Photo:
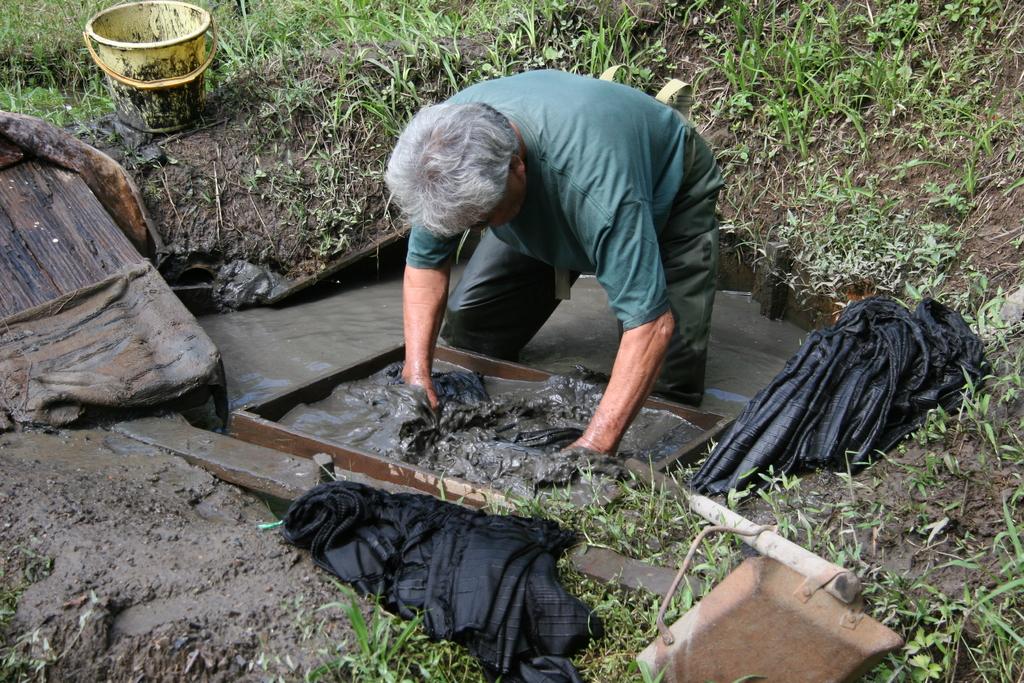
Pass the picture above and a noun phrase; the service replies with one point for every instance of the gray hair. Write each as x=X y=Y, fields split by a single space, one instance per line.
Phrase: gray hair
x=450 y=165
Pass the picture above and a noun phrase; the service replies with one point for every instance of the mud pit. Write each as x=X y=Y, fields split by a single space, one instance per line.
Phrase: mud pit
x=503 y=433
x=186 y=586
x=158 y=570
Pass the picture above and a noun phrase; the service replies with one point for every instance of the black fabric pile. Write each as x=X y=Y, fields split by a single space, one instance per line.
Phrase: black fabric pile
x=485 y=581
x=457 y=386
x=852 y=390
x=556 y=437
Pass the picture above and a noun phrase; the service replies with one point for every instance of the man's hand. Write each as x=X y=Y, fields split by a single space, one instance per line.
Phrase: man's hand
x=575 y=458
x=424 y=293
x=636 y=368
x=420 y=379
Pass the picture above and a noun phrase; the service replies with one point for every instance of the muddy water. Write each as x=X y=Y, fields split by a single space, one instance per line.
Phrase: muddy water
x=509 y=435
x=745 y=352
x=268 y=350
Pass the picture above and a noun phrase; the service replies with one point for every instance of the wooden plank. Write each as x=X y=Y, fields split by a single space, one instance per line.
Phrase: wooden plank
x=371 y=251
x=249 y=466
x=277 y=405
x=56 y=236
x=25 y=281
x=254 y=429
x=485 y=365
x=609 y=566
x=283 y=476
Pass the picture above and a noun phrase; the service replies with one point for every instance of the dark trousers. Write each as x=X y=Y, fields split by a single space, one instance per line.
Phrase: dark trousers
x=504 y=297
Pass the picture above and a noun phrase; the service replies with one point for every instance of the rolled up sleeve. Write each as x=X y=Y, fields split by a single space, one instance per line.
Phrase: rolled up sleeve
x=628 y=266
x=427 y=251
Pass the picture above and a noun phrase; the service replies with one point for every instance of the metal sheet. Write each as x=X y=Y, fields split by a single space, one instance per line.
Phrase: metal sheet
x=753 y=624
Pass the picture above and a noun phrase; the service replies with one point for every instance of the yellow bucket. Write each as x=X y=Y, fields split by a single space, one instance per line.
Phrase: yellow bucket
x=154 y=54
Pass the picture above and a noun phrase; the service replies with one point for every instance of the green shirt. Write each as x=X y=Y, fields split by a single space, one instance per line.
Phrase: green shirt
x=603 y=165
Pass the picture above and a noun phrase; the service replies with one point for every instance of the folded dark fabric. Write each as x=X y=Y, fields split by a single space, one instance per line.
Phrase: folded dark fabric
x=457 y=386
x=851 y=390
x=557 y=437
x=485 y=581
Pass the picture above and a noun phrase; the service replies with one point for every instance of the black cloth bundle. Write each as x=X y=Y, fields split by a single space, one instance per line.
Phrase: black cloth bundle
x=457 y=386
x=852 y=389
x=485 y=581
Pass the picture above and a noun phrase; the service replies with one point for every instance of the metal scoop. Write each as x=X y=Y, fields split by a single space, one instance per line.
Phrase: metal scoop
x=788 y=616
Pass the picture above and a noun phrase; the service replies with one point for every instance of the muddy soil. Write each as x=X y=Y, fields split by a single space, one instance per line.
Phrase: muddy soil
x=142 y=567
x=256 y=182
x=952 y=506
x=283 y=170
x=260 y=183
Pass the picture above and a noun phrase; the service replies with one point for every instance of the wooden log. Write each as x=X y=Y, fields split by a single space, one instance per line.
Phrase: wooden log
x=57 y=237
x=9 y=154
x=25 y=281
x=108 y=181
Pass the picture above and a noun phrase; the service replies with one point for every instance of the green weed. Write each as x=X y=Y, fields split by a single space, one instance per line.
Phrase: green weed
x=388 y=649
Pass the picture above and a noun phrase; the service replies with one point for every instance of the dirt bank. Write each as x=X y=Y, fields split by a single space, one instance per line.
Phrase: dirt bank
x=140 y=566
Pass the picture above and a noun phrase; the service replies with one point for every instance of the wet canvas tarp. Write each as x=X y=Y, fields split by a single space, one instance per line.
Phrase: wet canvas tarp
x=86 y=323
x=125 y=342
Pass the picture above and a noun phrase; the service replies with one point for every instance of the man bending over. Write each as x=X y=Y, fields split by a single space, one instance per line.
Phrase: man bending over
x=572 y=175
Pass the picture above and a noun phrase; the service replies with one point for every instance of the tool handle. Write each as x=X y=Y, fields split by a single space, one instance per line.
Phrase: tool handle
x=663 y=629
x=841 y=583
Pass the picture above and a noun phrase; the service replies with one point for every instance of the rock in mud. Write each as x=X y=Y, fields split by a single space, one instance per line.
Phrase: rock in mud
x=1013 y=310
x=240 y=284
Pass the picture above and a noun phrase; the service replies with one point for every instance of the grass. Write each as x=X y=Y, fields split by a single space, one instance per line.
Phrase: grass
x=385 y=648
x=24 y=658
x=883 y=141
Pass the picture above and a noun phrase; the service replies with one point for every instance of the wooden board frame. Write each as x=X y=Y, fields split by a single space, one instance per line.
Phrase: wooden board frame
x=257 y=423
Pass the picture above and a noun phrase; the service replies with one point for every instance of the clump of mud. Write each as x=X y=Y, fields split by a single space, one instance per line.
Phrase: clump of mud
x=510 y=435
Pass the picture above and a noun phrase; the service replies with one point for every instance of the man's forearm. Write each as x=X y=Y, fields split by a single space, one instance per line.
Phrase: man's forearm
x=636 y=368
x=424 y=293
